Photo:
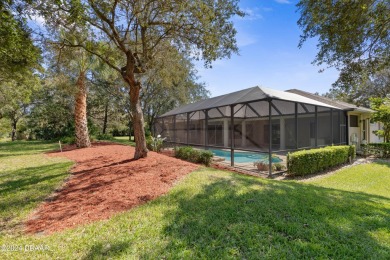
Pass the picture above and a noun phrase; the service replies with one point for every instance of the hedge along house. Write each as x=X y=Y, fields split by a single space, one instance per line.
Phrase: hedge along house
x=258 y=119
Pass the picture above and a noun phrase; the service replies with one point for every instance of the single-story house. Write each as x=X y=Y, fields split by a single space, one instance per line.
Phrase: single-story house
x=360 y=128
x=264 y=120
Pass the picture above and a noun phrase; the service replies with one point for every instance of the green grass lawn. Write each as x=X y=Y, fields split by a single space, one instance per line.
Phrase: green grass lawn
x=27 y=177
x=214 y=214
x=124 y=140
x=366 y=178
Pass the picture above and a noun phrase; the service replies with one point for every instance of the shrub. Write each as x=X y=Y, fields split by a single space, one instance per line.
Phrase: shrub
x=155 y=144
x=377 y=149
x=148 y=133
x=104 y=137
x=352 y=151
x=316 y=160
x=264 y=166
x=205 y=157
x=68 y=140
x=184 y=152
x=278 y=167
x=190 y=154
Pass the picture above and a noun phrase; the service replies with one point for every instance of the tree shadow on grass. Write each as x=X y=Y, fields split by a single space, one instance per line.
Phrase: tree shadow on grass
x=8 y=149
x=107 y=250
x=24 y=178
x=242 y=217
x=383 y=162
x=21 y=190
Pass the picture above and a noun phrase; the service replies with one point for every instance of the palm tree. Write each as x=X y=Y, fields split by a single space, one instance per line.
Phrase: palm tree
x=76 y=62
x=80 y=112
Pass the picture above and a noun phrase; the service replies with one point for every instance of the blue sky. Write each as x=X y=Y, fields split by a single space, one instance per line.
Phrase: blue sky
x=269 y=55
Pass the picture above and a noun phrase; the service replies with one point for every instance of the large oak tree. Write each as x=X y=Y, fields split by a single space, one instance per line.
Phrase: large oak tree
x=138 y=30
x=353 y=36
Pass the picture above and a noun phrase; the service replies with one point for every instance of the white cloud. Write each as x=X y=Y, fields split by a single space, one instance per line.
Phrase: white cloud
x=251 y=14
x=283 y=1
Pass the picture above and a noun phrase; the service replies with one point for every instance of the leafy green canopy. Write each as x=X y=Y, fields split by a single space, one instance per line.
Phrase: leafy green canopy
x=17 y=51
x=382 y=114
x=142 y=29
x=377 y=86
x=171 y=82
x=353 y=36
x=19 y=62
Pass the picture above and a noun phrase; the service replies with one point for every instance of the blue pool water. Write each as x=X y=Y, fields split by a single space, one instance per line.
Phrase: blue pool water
x=244 y=157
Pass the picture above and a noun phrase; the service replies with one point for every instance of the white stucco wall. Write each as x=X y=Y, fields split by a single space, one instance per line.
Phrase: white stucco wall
x=356 y=133
x=374 y=138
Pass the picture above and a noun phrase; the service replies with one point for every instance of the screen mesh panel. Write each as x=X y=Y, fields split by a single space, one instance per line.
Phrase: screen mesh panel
x=215 y=113
x=306 y=128
x=196 y=131
x=158 y=126
x=336 y=127
x=181 y=128
x=168 y=128
x=343 y=127
x=284 y=107
x=324 y=127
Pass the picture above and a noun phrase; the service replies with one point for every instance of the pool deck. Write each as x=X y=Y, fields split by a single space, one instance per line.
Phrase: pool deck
x=247 y=167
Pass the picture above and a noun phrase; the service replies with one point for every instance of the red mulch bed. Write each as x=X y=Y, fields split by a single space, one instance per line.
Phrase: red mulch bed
x=105 y=181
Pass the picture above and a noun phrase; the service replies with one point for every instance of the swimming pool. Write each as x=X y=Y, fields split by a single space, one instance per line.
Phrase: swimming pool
x=244 y=157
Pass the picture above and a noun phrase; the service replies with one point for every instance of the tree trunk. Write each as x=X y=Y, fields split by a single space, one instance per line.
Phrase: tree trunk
x=105 y=118
x=80 y=113
x=128 y=75
x=13 y=133
x=141 y=150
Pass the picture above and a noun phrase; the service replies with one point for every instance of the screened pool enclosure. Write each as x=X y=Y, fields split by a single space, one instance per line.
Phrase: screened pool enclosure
x=257 y=119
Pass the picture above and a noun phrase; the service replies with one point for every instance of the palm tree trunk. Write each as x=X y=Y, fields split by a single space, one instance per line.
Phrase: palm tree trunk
x=80 y=113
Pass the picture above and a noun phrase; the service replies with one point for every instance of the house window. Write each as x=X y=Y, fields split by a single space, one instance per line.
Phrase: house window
x=353 y=121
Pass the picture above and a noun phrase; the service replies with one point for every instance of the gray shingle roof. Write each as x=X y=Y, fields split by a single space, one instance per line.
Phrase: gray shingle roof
x=336 y=103
x=245 y=95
